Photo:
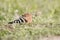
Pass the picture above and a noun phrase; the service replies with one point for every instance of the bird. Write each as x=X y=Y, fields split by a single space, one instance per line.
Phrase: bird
x=25 y=18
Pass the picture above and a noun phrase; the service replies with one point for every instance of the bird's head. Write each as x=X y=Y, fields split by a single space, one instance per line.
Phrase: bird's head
x=27 y=17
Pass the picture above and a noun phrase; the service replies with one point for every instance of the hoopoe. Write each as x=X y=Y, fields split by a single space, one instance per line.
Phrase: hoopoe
x=26 y=18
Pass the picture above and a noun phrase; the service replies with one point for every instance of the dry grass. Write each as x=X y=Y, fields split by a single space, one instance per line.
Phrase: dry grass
x=46 y=19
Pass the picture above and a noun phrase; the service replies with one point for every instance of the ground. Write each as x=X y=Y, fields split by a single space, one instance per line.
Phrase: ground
x=45 y=25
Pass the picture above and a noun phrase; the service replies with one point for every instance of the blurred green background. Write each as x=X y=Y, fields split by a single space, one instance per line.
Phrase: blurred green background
x=46 y=19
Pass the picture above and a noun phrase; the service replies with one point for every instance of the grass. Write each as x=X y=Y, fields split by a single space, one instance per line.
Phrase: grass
x=46 y=19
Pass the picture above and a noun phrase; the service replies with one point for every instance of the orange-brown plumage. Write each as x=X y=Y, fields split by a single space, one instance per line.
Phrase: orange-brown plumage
x=25 y=18
x=28 y=17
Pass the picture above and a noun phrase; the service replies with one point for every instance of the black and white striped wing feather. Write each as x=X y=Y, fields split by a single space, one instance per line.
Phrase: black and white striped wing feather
x=20 y=20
